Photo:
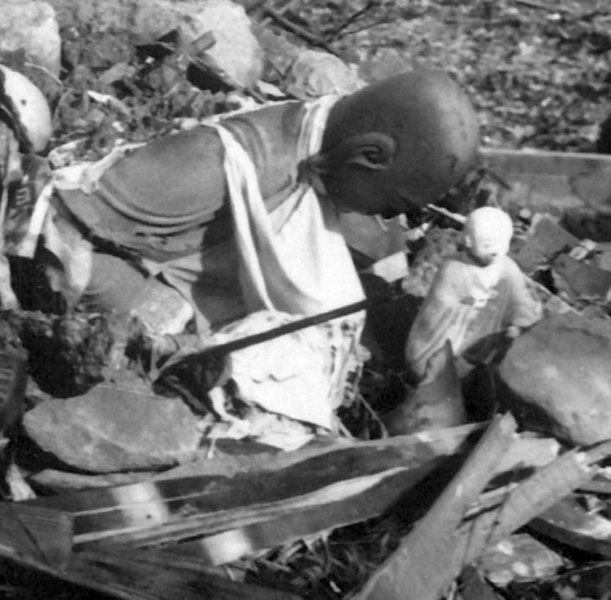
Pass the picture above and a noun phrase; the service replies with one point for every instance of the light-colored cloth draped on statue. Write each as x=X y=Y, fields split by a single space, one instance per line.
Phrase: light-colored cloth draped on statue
x=294 y=260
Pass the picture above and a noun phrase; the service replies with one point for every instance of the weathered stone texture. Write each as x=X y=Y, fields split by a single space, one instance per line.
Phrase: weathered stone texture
x=559 y=377
x=31 y=26
x=109 y=429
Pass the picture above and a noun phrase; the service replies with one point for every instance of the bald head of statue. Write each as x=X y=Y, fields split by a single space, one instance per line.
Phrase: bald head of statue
x=488 y=231
x=398 y=144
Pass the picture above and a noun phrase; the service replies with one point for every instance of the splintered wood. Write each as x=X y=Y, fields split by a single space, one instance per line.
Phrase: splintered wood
x=437 y=549
x=425 y=562
x=174 y=509
x=163 y=538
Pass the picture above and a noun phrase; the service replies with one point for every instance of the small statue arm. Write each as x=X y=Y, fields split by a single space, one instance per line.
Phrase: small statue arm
x=525 y=309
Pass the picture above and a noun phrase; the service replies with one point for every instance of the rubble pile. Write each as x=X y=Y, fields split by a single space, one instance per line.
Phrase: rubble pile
x=142 y=460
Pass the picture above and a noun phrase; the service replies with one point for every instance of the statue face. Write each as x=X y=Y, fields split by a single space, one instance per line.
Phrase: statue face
x=488 y=246
x=488 y=232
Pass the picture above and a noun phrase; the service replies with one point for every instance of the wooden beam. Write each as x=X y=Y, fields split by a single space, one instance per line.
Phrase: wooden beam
x=329 y=487
x=551 y=181
x=134 y=576
x=244 y=532
x=146 y=505
x=419 y=569
x=469 y=541
x=42 y=534
x=570 y=524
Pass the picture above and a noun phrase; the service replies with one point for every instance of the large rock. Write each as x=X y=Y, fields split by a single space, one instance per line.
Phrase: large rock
x=236 y=50
x=315 y=73
x=31 y=26
x=559 y=378
x=111 y=429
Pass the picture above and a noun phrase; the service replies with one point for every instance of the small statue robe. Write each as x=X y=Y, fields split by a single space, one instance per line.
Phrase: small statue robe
x=471 y=306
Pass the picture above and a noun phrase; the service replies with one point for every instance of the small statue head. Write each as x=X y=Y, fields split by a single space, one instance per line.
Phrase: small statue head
x=488 y=232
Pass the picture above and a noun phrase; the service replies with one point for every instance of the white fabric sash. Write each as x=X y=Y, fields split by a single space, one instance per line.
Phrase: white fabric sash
x=299 y=263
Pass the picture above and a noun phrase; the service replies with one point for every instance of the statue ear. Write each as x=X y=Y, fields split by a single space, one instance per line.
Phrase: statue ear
x=372 y=150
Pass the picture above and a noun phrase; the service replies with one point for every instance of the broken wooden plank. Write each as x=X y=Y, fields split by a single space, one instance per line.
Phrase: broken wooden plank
x=38 y=533
x=570 y=524
x=522 y=504
x=148 y=504
x=134 y=578
x=294 y=523
x=289 y=524
x=134 y=574
x=551 y=181
x=264 y=524
x=526 y=501
x=596 y=486
x=213 y=521
x=418 y=569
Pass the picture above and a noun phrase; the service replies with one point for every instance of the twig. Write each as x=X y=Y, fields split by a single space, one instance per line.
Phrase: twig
x=446 y=213
x=351 y=19
x=46 y=71
x=298 y=31
x=425 y=560
x=537 y=6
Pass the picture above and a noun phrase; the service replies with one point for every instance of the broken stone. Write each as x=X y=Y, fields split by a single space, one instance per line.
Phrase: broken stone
x=31 y=26
x=580 y=279
x=558 y=378
x=279 y=54
x=545 y=240
x=236 y=50
x=315 y=73
x=113 y=429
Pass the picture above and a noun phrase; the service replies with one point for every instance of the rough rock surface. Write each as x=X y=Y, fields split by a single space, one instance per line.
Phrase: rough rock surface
x=559 y=378
x=31 y=26
x=236 y=50
x=315 y=73
x=110 y=429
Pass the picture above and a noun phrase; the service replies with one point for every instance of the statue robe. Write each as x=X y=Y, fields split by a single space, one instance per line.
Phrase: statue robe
x=470 y=306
